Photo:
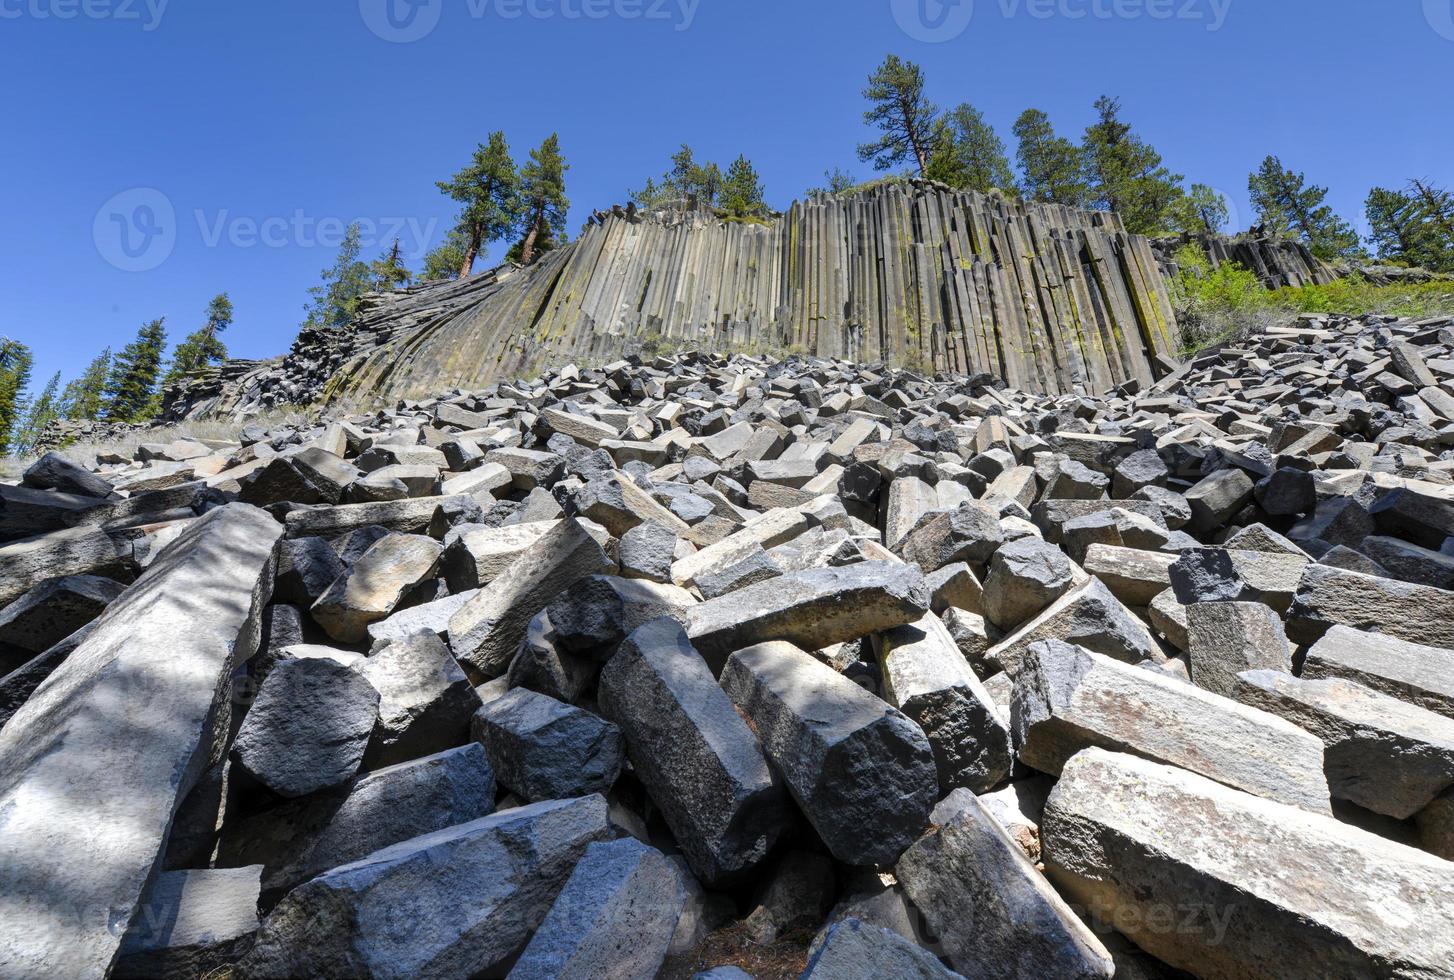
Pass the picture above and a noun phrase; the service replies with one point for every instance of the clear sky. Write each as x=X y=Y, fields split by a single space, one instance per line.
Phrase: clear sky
x=264 y=126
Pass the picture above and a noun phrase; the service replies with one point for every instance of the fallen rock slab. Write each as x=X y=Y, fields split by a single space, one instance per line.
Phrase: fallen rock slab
x=191 y=924
x=615 y=917
x=995 y=915
x=458 y=902
x=1419 y=675
x=1181 y=865
x=1385 y=755
x=702 y=765
x=862 y=773
x=88 y=787
x=812 y=609
x=1068 y=699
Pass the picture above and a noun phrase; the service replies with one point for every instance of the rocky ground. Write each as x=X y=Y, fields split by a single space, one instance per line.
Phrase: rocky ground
x=711 y=664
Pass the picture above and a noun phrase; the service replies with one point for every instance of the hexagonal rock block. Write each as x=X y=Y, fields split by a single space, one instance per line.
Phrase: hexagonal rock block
x=1132 y=841
x=969 y=533
x=647 y=552
x=615 y=917
x=812 y=609
x=1226 y=638
x=1329 y=597
x=1382 y=754
x=457 y=902
x=701 y=763
x=545 y=750
x=426 y=702
x=54 y=472
x=306 y=568
x=595 y=614
x=475 y=554
x=1068 y=699
x=53 y=610
x=374 y=587
x=996 y=915
x=1208 y=575
x=1217 y=498
x=1089 y=616
x=1025 y=577
x=861 y=772
x=487 y=632
x=309 y=727
x=927 y=678
x=1141 y=469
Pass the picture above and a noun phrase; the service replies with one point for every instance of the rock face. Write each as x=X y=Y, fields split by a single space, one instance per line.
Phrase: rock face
x=912 y=274
x=1181 y=863
x=126 y=725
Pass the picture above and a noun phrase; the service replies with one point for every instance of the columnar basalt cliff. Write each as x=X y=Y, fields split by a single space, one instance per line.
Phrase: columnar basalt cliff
x=1046 y=297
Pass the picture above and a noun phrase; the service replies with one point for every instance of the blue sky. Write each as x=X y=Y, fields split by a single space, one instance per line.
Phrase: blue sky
x=264 y=126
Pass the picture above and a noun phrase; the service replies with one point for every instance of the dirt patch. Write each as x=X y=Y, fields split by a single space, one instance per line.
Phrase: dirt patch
x=783 y=960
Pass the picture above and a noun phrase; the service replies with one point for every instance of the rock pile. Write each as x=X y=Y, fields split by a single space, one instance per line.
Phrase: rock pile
x=698 y=662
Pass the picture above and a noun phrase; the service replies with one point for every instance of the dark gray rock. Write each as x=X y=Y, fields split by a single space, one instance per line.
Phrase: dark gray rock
x=309 y=727
x=50 y=612
x=861 y=772
x=1025 y=577
x=701 y=763
x=614 y=917
x=54 y=472
x=545 y=750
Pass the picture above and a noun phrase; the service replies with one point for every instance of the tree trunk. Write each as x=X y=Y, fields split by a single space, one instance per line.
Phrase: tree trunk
x=527 y=250
x=467 y=268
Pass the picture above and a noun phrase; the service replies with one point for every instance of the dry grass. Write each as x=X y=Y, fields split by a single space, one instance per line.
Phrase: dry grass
x=783 y=960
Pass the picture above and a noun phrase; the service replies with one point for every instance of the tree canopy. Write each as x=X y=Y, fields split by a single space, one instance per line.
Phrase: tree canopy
x=906 y=120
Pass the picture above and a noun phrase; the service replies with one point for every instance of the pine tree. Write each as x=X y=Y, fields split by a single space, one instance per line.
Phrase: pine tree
x=969 y=155
x=542 y=188
x=899 y=110
x=742 y=193
x=839 y=182
x=446 y=261
x=390 y=272
x=1438 y=207
x=1052 y=168
x=1399 y=231
x=84 y=398
x=15 y=365
x=1126 y=173
x=686 y=180
x=1199 y=211
x=131 y=387
x=203 y=347
x=41 y=413
x=1287 y=205
x=336 y=297
x=489 y=189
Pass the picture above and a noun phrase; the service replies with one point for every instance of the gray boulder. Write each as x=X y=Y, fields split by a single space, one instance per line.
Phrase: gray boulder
x=545 y=750
x=425 y=700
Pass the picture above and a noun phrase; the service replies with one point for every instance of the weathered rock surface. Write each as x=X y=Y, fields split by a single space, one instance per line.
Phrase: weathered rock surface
x=995 y=914
x=1068 y=699
x=615 y=917
x=1181 y=865
x=94 y=764
x=545 y=750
